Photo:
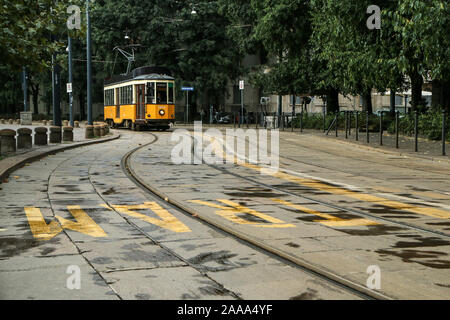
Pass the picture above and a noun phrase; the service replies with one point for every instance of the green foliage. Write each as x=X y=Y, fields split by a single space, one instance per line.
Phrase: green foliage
x=25 y=32
x=283 y=27
x=195 y=47
x=429 y=125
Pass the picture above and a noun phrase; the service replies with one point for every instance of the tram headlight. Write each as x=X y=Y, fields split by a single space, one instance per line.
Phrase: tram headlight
x=162 y=112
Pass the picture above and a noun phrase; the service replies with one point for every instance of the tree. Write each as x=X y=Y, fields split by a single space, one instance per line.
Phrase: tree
x=358 y=59
x=422 y=29
x=25 y=29
x=194 y=46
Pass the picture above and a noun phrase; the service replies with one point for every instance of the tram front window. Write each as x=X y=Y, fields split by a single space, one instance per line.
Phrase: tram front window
x=171 y=99
x=161 y=92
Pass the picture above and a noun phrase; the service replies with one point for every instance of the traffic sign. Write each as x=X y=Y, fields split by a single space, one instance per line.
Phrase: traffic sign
x=241 y=85
x=187 y=89
x=69 y=87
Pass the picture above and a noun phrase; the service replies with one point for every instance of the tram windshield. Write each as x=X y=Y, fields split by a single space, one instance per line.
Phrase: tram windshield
x=161 y=92
x=171 y=94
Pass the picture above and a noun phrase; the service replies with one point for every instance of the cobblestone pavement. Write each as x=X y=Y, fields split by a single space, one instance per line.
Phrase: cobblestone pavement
x=77 y=213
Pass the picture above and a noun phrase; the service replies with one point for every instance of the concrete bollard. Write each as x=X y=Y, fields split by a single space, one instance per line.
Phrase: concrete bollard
x=18 y=121
x=89 y=132
x=2 y=121
x=97 y=132
x=102 y=130
x=55 y=134
x=106 y=129
x=44 y=122
x=40 y=136
x=10 y=121
x=24 y=139
x=50 y=122
x=8 y=141
x=76 y=124
x=65 y=123
x=68 y=134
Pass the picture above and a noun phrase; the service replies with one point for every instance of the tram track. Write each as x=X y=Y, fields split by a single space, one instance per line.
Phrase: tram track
x=286 y=258
x=328 y=204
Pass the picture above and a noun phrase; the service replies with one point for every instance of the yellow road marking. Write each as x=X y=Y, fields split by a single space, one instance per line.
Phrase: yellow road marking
x=167 y=221
x=43 y=231
x=84 y=223
x=230 y=212
x=330 y=220
x=40 y=229
x=315 y=184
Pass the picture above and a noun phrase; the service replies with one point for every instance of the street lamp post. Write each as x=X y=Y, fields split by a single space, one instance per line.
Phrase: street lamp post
x=89 y=67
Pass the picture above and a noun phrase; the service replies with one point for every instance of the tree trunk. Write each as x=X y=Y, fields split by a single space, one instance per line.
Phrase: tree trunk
x=392 y=104
x=35 y=92
x=416 y=89
x=367 y=101
x=441 y=95
x=332 y=101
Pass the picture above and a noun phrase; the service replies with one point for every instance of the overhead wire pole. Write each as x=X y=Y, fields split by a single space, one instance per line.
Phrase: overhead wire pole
x=89 y=66
x=56 y=87
x=71 y=83
x=25 y=89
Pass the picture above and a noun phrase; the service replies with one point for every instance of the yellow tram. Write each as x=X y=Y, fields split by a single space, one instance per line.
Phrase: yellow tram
x=144 y=98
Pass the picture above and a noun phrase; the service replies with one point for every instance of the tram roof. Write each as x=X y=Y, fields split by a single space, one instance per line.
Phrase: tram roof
x=142 y=74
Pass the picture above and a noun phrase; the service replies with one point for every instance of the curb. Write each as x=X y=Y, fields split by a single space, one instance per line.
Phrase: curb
x=19 y=161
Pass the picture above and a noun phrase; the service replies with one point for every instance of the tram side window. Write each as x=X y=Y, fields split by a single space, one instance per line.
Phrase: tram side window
x=126 y=95
x=109 y=97
x=161 y=92
x=150 y=92
x=171 y=95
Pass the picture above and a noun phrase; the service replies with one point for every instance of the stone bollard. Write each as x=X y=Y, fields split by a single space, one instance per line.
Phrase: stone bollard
x=10 y=121
x=68 y=134
x=50 y=122
x=8 y=141
x=40 y=136
x=102 y=130
x=24 y=140
x=89 y=132
x=65 y=123
x=76 y=124
x=3 y=121
x=97 y=131
x=55 y=134
x=106 y=129
x=44 y=122
x=18 y=121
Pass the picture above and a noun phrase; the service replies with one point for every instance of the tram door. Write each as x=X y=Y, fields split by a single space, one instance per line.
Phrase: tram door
x=140 y=102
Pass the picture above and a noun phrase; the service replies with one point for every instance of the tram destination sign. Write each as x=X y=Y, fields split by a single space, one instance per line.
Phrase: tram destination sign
x=187 y=88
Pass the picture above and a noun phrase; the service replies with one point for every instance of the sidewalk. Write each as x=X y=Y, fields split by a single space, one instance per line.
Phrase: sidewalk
x=14 y=161
x=428 y=149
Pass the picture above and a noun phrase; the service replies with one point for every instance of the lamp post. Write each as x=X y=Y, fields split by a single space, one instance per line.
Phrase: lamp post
x=89 y=67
